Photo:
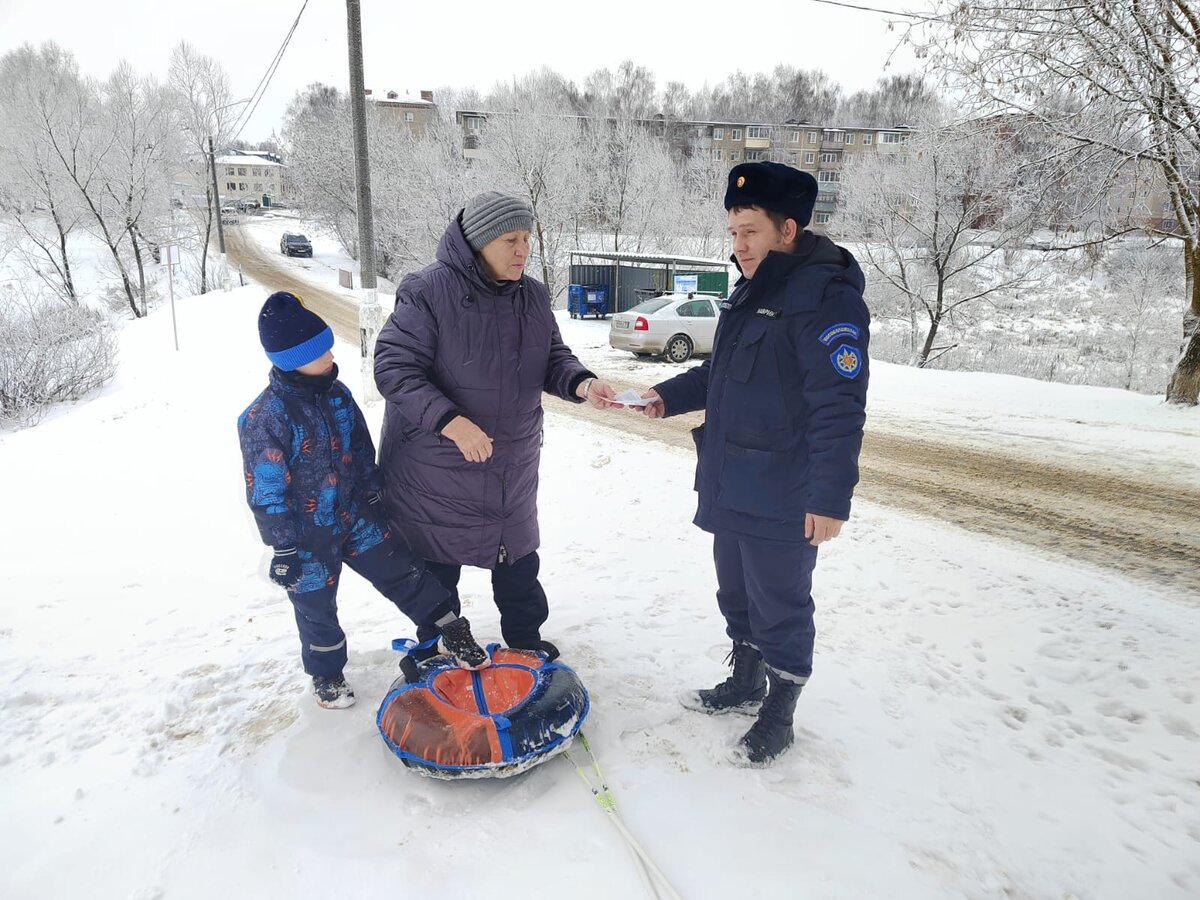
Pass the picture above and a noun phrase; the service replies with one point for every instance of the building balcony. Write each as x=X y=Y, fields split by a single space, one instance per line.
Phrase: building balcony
x=758 y=143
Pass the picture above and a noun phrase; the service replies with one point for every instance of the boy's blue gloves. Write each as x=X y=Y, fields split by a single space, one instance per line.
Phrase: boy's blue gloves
x=285 y=567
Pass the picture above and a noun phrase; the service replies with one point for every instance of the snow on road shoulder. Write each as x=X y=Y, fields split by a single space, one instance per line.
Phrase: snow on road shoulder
x=979 y=722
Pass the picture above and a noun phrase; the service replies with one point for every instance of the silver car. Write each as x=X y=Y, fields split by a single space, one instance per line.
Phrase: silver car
x=671 y=325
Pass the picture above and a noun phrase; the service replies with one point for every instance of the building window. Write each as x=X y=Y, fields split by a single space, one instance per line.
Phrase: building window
x=229 y=170
x=241 y=185
x=756 y=155
x=822 y=218
x=758 y=132
x=408 y=116
x=867 y=139
x=231 y=185
x=812 y=137
x=892 y=137
x=258 y=186
x=734 y=155
x=829 y=157
x=474 y=123
x=793 y=137
x=849 y=139
x=271 y=187
x=835 y=137
x=736 y=134
x=718 y=154
x=828 y=175
x=791 y=157
x=826 y=198
x=241 y=170
x=718 y=134
x=809 y=157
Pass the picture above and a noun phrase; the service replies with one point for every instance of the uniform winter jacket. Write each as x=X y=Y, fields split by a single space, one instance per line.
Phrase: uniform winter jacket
x=784 y=395
x=309 y=459
x=459 y=343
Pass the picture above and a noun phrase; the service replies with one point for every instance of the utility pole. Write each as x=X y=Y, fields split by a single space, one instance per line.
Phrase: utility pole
x=212 y=166
x=368 y=306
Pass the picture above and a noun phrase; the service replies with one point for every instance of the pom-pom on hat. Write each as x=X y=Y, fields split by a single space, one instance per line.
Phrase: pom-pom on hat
x=292 y=334
x=772 y=186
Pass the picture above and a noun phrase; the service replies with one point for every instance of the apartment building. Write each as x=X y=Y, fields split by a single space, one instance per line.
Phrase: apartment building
x=247 y=177
x=821 y=151
x=414 y=113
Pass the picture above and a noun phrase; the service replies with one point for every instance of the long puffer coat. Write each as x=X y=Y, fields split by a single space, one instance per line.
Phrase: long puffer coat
x=459 y=343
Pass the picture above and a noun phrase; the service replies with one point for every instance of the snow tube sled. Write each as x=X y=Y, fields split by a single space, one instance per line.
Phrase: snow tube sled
x=449 y=722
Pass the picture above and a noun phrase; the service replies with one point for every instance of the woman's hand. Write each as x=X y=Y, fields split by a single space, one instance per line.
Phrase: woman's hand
x=474 y=445
x=597 y=393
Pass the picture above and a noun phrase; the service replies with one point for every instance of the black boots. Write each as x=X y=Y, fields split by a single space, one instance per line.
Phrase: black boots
x=740 y=692
x=332 y=692
x=771 y=733
x=457 y=641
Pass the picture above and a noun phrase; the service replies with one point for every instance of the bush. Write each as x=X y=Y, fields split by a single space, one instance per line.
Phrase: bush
x=50 y=352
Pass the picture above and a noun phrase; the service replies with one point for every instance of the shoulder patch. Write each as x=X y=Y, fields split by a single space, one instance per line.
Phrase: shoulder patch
x=841 y=329
x=847 y=360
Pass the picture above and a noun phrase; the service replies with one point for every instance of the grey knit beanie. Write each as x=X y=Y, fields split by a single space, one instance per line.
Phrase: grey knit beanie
x=491 y=214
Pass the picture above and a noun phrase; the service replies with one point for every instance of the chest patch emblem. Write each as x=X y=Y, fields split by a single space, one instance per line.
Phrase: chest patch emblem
x=847 y=360
x=841 y=329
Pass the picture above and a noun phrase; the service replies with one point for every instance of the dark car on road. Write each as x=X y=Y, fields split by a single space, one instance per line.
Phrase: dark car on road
x=295 y=245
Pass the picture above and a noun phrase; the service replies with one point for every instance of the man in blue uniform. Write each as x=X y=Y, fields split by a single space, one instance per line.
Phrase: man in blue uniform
x=784 y=395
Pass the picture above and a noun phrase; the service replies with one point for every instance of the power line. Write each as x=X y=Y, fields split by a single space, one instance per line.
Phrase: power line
x=265 y=81
x=887 y=12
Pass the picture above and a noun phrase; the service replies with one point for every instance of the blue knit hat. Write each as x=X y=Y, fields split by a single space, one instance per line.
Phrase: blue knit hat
x=292 y=334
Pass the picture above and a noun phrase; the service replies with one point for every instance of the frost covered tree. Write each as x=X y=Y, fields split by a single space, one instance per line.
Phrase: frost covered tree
x=1129 y=71
x=317 y=135
x=533 y=150
x=35 y=87
x=203 y=110
x=137 y=114
x=935 y=222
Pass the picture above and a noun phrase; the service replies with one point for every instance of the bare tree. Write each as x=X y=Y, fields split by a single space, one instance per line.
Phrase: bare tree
x=33 y=84
x=203 y=110
x=1128 y=66
x=936 y=219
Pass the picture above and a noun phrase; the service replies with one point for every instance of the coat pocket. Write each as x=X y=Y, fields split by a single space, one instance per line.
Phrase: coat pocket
x=762 y=483
x=749 y=345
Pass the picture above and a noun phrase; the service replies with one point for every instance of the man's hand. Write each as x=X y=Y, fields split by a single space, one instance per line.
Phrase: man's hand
x=597 y=393
x=654 y=409
x=474 y=445
x=819 y=529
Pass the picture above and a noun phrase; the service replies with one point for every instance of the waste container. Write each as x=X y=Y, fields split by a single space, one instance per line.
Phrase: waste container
x=587 y=299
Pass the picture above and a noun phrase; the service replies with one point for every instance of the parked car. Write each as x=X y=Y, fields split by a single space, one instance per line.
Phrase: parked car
x=671 y=325
x=229 y=216
x=295 y=245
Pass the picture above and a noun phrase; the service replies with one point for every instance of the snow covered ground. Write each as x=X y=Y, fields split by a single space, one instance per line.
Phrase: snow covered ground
x=981 y=723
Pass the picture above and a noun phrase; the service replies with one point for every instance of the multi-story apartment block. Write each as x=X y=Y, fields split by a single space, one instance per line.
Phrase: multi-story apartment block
x=818 y=150
x=413 y=113
x=246 y=177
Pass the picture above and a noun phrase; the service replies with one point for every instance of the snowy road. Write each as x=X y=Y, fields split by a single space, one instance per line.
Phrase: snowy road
x=1130 y=518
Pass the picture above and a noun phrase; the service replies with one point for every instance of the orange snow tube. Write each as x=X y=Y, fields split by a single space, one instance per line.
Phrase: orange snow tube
x=494 y=722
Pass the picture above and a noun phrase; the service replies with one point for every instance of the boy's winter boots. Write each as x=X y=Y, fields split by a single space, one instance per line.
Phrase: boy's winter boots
x=771 y=733
x=741 y=692
x=332 y=692
x=457 y=641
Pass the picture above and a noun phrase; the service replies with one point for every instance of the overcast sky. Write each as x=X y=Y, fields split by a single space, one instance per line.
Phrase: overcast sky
x=463 y=43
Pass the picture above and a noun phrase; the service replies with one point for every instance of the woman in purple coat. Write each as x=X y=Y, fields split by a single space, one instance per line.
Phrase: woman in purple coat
x=463 y=362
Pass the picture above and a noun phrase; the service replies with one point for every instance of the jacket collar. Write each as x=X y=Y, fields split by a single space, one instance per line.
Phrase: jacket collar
x=308 y=386
x=454 y=251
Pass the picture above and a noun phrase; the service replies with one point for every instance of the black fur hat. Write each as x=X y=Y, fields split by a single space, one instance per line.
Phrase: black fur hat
x=772 y=186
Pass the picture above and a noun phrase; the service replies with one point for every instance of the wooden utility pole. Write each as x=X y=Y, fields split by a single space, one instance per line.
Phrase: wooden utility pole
x=368 y=309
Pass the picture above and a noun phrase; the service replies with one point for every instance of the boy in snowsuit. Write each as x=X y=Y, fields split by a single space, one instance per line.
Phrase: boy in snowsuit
x=315 y=490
